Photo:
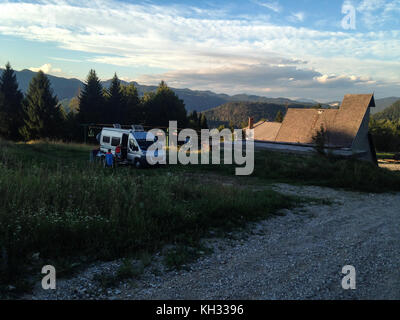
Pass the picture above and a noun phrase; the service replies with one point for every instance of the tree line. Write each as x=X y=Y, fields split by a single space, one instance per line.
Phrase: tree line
x=386 y=134
x=39 y=115
x=384 y=127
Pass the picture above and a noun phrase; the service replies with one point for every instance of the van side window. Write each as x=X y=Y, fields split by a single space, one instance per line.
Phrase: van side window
x=115 y=141
x=132 y=145
x=106 y=139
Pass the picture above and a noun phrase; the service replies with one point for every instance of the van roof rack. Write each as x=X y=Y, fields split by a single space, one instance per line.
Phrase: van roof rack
x=137 y=127
x=116 y=126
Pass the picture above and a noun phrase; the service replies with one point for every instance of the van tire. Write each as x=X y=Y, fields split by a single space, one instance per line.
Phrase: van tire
x=138 y=164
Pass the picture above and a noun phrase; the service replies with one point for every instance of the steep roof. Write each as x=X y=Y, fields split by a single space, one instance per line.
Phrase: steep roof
x=297 y=126
x=350 y=116
x=300 y=125
x=265 y=130
x=342 y=125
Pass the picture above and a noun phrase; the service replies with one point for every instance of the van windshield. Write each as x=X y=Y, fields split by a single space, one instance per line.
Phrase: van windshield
x=144 y=145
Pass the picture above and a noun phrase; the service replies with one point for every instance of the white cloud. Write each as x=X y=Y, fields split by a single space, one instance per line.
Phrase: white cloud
x=378 y=12
x=272 y=5
x=371 y=5
x=297 y=17
x=184 y=39
x=289 y=81
x=46 y=68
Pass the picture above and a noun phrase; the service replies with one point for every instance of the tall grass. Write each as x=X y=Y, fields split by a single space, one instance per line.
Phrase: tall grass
x=55 y=203
x=319 y=170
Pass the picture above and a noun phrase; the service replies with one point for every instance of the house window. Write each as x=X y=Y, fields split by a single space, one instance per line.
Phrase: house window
x=106 y=139
x=115 y=141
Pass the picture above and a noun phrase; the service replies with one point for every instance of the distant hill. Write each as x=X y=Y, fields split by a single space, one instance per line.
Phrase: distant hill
x=239 y=112
x=391 y=113
x=63 y=88
x=382 y=104
x=307 y=100
x=66 y=89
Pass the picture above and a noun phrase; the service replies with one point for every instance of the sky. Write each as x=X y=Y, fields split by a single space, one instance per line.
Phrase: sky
x=281 y=48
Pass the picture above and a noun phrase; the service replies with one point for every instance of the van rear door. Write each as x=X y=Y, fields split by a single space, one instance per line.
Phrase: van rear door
x=124 y=146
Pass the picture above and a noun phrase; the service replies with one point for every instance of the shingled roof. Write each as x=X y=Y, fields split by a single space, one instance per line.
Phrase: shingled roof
x=350 y=116
x=265 y=130
x=300 y=125
x=342 y=125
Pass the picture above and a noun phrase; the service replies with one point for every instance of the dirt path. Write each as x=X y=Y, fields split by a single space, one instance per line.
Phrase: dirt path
x=299 y=255
x=390 y=166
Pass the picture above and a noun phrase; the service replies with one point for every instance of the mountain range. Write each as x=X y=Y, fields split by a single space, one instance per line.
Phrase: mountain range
x=391 y=113
x=66 y=89
x=237 y=113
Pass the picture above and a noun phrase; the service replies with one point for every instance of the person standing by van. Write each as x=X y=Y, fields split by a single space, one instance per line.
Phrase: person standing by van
x=109 y=160
x=118 y=151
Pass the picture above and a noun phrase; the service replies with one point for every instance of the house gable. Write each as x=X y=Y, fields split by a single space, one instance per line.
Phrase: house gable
x=342 y=125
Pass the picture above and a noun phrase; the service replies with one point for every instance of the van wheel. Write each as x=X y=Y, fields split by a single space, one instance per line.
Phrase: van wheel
x=138 y=164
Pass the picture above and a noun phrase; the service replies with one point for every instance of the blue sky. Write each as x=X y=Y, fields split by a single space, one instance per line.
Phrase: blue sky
x=295 y=49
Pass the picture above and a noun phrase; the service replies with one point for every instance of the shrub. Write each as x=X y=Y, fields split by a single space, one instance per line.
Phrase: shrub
x=319 y=140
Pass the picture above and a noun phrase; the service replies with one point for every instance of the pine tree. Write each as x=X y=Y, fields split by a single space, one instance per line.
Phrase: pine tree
x=194 y=116
x=2 y=114
x=72 y=130
x=203 y=122
x=91 y=101
x=11 y=112
x=194 y=120
x=114 y=105
x=132 y=111
x=165 y=106
x=74 y=105
x=43 y=113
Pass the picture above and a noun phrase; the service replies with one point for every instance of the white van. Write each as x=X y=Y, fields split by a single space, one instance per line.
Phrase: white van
x=133 y=144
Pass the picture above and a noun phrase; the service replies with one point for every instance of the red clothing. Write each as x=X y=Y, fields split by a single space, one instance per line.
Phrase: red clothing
x=118 y=149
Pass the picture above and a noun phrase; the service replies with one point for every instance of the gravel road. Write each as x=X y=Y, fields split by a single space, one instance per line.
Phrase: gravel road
x=298 y=255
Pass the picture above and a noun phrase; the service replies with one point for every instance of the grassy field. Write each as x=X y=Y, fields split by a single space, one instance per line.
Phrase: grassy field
x=57 y=208
x=319 y=170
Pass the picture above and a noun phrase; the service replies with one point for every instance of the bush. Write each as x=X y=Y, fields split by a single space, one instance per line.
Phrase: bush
x=319 y=140
x=386 y=135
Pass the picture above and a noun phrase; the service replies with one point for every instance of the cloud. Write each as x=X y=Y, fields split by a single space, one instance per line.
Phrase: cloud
x=371 y=5
x=378 y=12
x=258 y=75
x=183 y=40
x=46 y=68
x=66 y=59
x=297 y=17
x=272 y=5
x=274 y=80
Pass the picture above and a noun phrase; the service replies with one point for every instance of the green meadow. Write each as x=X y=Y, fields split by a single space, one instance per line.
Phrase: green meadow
x=58 y=206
